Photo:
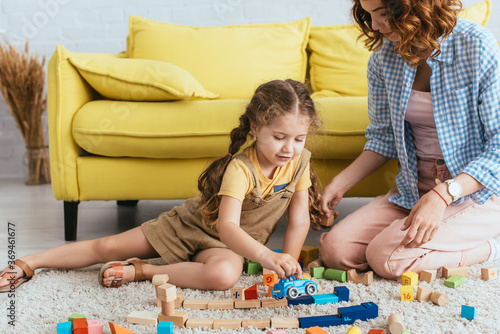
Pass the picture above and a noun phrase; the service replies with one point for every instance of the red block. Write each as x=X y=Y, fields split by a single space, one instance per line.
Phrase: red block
x=251 y=293
x=376 y=331
x=80 y=326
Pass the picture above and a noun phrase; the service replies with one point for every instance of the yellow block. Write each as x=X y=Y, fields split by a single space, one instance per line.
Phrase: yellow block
x=409 y=278
x=407 y=293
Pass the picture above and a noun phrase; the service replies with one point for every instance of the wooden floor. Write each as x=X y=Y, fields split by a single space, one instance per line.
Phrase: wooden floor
x=37 y=218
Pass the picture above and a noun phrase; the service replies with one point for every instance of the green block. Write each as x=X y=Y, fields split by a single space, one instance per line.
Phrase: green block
x=317 y=272
x=75 y=316
x=405 y=332
x=335 y=274
x=454 y=281
x=253 y=268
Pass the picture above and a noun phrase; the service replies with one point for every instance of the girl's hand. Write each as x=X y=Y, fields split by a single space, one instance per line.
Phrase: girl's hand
x=423 y=221
x=282 y=263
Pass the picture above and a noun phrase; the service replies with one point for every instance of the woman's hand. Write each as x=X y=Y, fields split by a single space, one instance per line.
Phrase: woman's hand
x=423 y=221
x=330 y=198
x=282 y=263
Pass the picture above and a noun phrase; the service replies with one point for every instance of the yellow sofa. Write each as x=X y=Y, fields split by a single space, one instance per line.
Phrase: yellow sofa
x=143 y=124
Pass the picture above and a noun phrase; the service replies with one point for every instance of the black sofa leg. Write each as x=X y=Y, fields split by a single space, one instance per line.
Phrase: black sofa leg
x=70 y=220
x=127 y=203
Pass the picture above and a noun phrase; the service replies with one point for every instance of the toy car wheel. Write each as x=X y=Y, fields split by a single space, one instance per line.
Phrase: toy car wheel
x=310 y=289
x=292 y=292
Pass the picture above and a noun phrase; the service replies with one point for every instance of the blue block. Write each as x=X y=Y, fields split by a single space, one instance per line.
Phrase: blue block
x=342 y=292
x=347 y=315
x=325 y=298
x=64 y=328
x=371 y=310
x=321 y=321
x=468 y=312
x=277 y=250
x=359 y=312
x=304 y=299
x=165 y=327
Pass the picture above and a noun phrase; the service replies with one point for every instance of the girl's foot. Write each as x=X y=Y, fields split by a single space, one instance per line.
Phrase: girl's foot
x=114 y=274
x=15 y=275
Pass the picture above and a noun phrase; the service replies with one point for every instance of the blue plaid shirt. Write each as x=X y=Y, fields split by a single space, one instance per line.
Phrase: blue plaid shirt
x=465 y=87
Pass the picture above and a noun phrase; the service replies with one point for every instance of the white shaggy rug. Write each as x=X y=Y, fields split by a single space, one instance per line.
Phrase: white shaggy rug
x=52 y=295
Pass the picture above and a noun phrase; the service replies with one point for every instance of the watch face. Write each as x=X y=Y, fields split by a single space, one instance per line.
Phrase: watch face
x=455 y=189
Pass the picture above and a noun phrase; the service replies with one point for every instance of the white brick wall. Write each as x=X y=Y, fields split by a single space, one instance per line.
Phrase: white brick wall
x=101 y=26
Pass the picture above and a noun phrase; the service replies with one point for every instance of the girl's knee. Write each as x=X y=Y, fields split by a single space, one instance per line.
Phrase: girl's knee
x=223 y=275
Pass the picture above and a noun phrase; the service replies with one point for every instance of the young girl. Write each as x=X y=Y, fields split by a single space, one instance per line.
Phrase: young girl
x=434 y=97
x=243 y=196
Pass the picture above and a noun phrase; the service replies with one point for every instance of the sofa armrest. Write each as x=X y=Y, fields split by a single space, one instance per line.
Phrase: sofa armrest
x=67 y=93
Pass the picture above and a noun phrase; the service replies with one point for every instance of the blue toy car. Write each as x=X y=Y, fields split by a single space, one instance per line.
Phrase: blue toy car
x=293 y=287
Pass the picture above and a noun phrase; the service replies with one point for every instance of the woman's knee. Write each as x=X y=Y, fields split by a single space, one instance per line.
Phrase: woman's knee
x=336 y=251
x=379 y=258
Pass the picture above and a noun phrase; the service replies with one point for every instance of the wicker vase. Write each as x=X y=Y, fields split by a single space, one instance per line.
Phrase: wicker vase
x=36 y=164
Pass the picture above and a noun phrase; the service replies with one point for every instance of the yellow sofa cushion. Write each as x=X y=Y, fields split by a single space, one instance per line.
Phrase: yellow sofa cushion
x=139 y=79
x=200 y=129
x=338 y=59
x=229 y=60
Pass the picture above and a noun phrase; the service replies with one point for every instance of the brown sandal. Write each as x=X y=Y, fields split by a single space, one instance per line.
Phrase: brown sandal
x=119 y=271
x=28 y=274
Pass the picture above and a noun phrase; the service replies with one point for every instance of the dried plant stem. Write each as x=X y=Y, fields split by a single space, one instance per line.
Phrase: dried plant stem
x=22 y=84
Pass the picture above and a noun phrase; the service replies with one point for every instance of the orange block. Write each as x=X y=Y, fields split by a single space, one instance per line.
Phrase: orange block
x=117 y=329
x=80 y=326
x=251 y=293
x=315 y=330
x=271 y=279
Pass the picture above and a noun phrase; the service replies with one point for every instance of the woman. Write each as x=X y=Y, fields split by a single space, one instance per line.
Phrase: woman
x=433 y=104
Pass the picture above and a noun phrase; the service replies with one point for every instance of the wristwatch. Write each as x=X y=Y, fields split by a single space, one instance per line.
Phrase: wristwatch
x=454 y=189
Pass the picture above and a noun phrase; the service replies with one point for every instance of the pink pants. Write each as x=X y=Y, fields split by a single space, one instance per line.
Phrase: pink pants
x=371 y=236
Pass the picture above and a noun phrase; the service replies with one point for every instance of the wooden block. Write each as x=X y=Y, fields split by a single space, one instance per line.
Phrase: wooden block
x=223 y=304
x=165 y=327
x=285 y=323
x=315 y=263
x=256 y=323
x=159 y=279
x=80 y=326
x=406 y=293
x=196 y=304
x=253 y=268
x=315 y=330
x=489 y=273
x=166 y=292
x=143 y=318
x=409 y=278
x=428 y=275
x=179 y=318
x=95 y=326
x=167 y=308
x=337 y=275
x=254 y=303
x=318 y=272
x=237 y=293
x=270 y=279
x=354 y=330
x=309 y=252
x=352 y=276
x=273 y=302
x=447 y=272
x=227 y=323
x=179 y=300
x=424 y=294
x=327 y=221
x=468 y=312
x=117 y=329
x=200 y=323
x=395 y=324
x=276 y=331
x=251 y=293
x=454 y=281
x=439 y=298
x=64 y=328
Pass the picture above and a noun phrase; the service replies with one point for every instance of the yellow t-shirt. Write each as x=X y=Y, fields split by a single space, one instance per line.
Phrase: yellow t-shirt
x=237 y=180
